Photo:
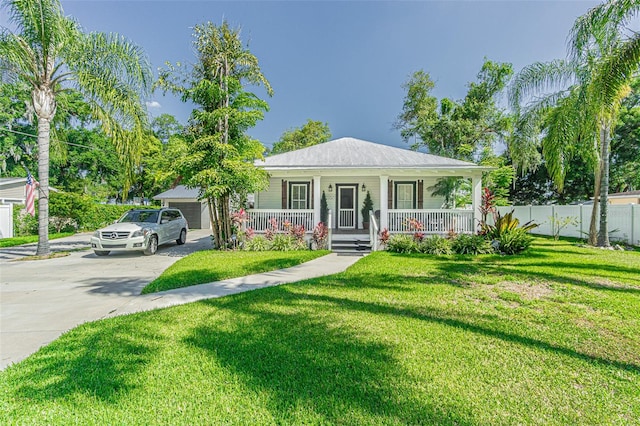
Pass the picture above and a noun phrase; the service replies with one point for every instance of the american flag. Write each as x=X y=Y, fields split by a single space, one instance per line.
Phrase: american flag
x=31 y=193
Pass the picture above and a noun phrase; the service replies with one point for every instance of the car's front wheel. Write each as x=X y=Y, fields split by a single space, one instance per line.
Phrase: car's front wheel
x=152 y=247
x=101 y=252
x=183 y=237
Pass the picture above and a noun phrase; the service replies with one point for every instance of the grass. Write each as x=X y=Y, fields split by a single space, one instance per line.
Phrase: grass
x=18 y=241
x=549 y=337
x=213 y=265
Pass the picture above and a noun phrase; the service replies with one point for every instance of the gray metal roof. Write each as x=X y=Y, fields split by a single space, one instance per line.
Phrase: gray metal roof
x=357 y=153
x=179 y=191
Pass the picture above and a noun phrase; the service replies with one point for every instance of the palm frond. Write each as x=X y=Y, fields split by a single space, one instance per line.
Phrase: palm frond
x=540 y=77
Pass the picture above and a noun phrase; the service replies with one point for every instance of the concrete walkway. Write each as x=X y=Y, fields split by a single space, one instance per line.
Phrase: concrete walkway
x=40 y=300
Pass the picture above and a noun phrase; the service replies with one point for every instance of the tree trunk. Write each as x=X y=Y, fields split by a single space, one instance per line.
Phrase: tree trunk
x=44 y=105
x=213 y=219
x=593 y=230
x=44 y=127
x=603 y=233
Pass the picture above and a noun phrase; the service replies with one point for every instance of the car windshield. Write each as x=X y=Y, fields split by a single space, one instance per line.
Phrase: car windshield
x=148 y=216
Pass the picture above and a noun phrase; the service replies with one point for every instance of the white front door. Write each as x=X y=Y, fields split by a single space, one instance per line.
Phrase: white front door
x=347 y=207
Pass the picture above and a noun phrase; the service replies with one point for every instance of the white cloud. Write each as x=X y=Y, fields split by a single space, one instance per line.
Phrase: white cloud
x=153 y=104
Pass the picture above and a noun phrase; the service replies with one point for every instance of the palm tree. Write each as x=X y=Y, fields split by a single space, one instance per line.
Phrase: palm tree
x=51 y=53
x=576 y=120
x=606 y=28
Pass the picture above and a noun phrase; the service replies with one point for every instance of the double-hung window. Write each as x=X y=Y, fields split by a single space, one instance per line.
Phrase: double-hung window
x=299 y=196
x=405 y=196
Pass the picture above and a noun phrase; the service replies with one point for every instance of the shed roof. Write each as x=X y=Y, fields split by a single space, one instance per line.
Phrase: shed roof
x=179 y=191
x=356 y=153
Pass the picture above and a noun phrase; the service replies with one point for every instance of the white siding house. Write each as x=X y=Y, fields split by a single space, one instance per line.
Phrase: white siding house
x=345 y=170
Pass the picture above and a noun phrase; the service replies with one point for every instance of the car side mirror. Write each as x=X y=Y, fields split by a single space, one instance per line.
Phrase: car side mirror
x=164 y=221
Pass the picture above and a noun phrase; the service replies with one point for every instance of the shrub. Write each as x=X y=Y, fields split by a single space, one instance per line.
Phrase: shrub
x=23 y=223
x=506 y=223
x=435 y=244
x=258 y=243
x=384 y=237
x=514 y=241
x=471 y=244
x=320 y=236
x=402 y=243
x=282 y=242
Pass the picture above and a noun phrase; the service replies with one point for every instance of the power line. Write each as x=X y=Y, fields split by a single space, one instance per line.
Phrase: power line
x=35 y=136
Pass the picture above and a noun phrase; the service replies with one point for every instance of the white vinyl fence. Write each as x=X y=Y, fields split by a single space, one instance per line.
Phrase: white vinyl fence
x=623 y=220
x=6 y=220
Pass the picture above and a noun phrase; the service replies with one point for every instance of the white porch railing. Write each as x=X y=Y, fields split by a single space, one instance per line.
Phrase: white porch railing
x=258 y=219
x=433 y=221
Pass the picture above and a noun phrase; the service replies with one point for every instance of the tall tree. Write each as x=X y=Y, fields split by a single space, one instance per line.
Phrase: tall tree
x=576 y=109
x=50 y=52
x=606 y=29
x=466 y=130
x=218 y=153
x=310 y=133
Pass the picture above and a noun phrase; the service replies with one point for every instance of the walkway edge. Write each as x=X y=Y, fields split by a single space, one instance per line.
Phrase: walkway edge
x=325 y=265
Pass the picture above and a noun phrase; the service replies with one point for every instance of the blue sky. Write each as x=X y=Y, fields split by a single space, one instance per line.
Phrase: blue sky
x=344 y=62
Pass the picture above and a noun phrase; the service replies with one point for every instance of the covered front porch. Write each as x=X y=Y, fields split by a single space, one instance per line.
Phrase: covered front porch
x=400 y=202
x=329 y=183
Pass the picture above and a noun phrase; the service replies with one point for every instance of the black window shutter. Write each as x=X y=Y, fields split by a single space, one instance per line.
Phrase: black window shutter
x=284 y=194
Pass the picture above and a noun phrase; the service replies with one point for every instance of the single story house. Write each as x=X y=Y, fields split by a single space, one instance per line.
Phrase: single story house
x=345 y=170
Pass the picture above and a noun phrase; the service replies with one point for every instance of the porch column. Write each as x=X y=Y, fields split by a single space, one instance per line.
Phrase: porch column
x=476 y=185
x=384 y=188
x=316 y=200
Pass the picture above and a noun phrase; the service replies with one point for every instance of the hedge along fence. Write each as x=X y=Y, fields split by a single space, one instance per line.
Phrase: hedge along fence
x=623 y=220
x=81 y=211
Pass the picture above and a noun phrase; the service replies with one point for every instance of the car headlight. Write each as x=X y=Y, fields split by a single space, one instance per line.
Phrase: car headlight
x=140 y=233
x=96 y=234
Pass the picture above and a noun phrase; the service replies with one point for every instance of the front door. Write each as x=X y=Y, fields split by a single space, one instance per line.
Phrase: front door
x=346 y=207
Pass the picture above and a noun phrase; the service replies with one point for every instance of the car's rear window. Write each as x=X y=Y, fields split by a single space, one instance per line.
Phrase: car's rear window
x=148 y=216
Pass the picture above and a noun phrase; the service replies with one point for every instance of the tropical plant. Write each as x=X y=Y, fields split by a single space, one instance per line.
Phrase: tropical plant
x=455 y=191
x=578 y=120
x=471 y=244
x=503 y=224
x=402 y=243
x=50 y=52
x=320 y=236
x=435 y=244
x=606 y=28
x=219 y=154
x=514 y=241
x=257 y=243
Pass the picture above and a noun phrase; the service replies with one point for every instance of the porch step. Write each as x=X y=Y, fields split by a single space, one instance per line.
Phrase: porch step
x=351 y=246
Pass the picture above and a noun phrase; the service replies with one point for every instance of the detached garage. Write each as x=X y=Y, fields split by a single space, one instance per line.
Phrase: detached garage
x=186 y=199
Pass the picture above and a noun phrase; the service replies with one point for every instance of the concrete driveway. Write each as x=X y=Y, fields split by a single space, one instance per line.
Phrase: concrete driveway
x=41 y=299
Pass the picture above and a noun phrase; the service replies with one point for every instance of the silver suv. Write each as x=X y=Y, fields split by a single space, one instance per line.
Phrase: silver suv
x=141 y=230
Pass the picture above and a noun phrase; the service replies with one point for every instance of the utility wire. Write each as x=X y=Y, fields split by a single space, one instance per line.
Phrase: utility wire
x=6 y=129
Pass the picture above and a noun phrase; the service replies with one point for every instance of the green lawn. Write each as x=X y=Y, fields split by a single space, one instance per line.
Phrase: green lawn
x=548 y=337
x=17 y=241
x=213 y=265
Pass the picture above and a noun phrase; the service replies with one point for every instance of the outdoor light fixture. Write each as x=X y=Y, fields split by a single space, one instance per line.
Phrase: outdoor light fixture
x=364 y=187
x=330 y=188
